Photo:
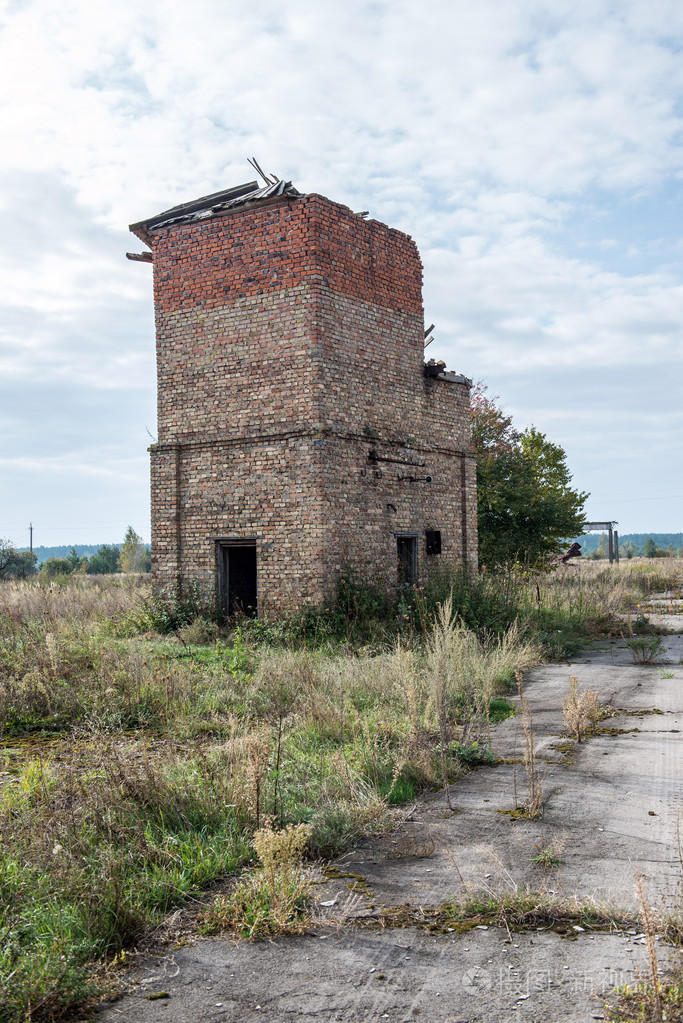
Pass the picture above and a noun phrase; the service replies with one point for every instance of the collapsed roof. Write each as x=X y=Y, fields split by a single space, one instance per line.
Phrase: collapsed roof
x=213 y=205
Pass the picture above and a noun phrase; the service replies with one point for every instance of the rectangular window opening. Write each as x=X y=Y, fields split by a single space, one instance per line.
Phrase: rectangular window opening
x=433 y=541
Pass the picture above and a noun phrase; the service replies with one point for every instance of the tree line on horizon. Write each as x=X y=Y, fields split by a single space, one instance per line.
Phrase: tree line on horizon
x=631 y=545
x=133 y=555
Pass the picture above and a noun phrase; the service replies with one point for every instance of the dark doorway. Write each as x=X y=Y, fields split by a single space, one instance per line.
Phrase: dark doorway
x=237 y=578
x=406 y=547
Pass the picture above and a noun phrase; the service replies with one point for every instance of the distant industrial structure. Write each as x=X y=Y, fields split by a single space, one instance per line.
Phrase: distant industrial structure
x=612 y=537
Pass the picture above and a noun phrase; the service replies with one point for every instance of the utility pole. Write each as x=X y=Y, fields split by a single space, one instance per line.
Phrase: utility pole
x=30 y=537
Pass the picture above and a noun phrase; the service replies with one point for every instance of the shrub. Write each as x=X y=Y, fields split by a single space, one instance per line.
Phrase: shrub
x=167 y=611
x=271 y=899
x=56 y=567
x=199 y=632
x=644 y=649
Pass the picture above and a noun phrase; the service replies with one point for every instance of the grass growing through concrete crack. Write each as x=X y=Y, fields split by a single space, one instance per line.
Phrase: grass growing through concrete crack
x=645 y=649
x=637 y=1003
x=580 y=709
x=659 y=997
x=546 y=856
x=518 y=909
x=532 y=809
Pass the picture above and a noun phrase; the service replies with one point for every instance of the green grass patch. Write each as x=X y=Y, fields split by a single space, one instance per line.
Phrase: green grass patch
x=91 y=858
x=473 y=754
x=516 y=910
x=499 y=710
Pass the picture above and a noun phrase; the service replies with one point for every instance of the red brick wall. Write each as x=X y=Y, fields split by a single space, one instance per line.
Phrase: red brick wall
x=266 y=316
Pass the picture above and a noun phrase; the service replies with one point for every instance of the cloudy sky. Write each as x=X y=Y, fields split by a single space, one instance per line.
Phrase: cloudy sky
x=533 y=148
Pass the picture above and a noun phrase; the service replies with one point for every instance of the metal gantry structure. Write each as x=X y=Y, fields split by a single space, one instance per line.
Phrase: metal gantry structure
x=613 y=536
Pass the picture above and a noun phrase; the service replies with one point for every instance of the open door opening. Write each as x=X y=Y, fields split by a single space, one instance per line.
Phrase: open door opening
x=237 y=585
x=406 y=549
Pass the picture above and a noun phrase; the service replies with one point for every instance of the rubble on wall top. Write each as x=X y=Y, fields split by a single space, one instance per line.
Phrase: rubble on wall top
x=214 y=204
x=434 y=368
x=437 y=371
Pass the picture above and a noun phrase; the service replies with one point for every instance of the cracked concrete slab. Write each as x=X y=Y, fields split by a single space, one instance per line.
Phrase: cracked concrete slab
x=398 y=975
x=611 y=804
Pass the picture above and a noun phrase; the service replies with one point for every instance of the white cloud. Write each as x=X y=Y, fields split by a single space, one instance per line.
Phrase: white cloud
x=526 y=95
x=511 y=302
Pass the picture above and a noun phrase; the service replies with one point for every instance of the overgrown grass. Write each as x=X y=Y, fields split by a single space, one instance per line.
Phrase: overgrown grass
x=557 y=610
x=90 y=858
x=172 y=748
x=637 y=1002
x=658 y=997
x=485 y=604
x=174 y=754
x=273 y=898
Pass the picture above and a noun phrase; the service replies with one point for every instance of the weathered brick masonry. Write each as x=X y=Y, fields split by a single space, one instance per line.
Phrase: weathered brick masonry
x=290 y=368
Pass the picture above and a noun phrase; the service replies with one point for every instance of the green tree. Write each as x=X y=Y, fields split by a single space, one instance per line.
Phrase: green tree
x=8 y=553
x=74 y=559
x=602 y=546
x=526 y=507
x=78 y=562
x=680 y=552
x=650 y=548
x=106 y=561
x=628 y=549
x=24 y=565
x=134 y=555
x=16 y=564
x=56 y=566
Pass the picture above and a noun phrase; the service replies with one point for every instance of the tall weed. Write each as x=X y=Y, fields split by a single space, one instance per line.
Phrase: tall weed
x=271 y=899
x=323 y=719
x=580 y=708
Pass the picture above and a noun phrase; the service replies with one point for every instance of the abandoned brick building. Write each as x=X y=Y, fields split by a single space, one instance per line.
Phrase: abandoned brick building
x=300 y=433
